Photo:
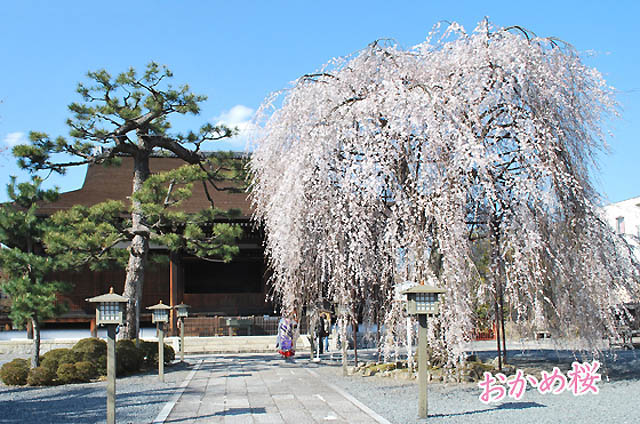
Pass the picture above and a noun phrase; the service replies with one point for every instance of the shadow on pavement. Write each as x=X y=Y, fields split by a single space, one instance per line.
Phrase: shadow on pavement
x=79 y=405
x=228 y=412
x=508 y=405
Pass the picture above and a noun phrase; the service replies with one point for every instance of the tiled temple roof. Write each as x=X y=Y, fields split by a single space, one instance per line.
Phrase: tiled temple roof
x=115 y=183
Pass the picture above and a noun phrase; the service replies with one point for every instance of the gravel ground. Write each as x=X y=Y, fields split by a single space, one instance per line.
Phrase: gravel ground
x=397 y=400
x=139 y=399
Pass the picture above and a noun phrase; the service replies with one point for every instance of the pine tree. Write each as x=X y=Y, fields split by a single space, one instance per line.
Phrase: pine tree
x=129 y=116
x=23 y=262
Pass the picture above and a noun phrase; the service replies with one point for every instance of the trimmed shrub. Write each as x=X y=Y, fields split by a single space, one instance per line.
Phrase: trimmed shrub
x=41 y=376
x=68 y=366
x=75 y=373
x=67 y=373
x=69 y=357
x=95 y=351
x=54 y=358
x=169 y=354
x=86 y=371
x=129 y=358
x=150 y=351
x=91 y=349
x=101 y=365
x=15 y=373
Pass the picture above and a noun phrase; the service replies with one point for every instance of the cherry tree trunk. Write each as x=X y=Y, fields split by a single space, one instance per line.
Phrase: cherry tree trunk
x=355 y=342
x=138 y=251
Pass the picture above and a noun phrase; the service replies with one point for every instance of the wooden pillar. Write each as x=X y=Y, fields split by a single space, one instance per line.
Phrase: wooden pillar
x=111 y=374
x=93 y=328
x=181 y=339
x=175 y=289
x=423 y=402
x=343 y=341
x=29 y=330
x=161 y=351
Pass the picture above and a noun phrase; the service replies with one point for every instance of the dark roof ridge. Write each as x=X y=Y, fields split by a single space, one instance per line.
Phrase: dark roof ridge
x=115 y=183
x=207 y=153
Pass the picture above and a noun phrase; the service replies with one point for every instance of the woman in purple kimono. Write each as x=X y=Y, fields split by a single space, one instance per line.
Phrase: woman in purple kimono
x=287 y=335
x=285 y=338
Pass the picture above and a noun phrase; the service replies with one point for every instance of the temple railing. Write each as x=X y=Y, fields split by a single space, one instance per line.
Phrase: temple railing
x=206 y=326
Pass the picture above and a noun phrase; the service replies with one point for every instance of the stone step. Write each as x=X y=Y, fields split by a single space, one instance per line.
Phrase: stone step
x=226 y=344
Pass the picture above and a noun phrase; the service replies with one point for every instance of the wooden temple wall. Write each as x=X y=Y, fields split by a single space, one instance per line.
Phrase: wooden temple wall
x=87 y=283
x=163 y=281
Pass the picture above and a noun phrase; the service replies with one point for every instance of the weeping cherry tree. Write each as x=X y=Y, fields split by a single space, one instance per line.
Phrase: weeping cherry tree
x=390 y=164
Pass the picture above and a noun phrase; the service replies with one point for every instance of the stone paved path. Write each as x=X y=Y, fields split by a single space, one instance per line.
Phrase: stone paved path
x=264 y=389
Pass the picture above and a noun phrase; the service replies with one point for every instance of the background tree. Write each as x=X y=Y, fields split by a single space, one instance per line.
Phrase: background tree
x=90 y=235
x=23 y=262
x=490 y=135
x=128 y=116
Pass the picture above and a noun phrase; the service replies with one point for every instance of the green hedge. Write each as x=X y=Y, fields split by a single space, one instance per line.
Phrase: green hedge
x=68 y=373
x=85 y=371
x=84 y=362
x=54 y=358
x=129 y=358
x=41 y=376
x=150 y=352
x=63 y=365
x=94 y=351
x=15 y=373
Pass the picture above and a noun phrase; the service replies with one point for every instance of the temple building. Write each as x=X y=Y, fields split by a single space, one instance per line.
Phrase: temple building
x=624 y=218
x=211 y=288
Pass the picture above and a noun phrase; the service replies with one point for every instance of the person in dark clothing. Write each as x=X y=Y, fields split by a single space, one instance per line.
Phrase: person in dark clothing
x=324 y=326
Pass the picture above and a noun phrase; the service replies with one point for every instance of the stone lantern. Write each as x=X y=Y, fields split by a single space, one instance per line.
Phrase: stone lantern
x=160 y=316
x=423 y=301
x=111 y=308
x=110 y=312
x=182 y=312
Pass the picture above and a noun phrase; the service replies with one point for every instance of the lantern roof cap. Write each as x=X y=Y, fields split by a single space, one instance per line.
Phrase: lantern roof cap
x=182 y=305
x=109 y=297
x=159 y=306
x=421 y=288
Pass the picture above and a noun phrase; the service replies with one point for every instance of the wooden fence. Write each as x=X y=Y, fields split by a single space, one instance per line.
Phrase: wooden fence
x=234 y=326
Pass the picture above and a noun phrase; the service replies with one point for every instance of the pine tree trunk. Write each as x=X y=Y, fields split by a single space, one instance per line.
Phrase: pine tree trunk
x=35 y=359
x=138 y=251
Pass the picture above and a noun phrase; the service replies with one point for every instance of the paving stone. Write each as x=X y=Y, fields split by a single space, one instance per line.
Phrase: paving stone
x=268 y=418
x=261 y=389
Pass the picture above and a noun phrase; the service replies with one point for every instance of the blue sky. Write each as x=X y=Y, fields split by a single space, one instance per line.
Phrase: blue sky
x=238 y=52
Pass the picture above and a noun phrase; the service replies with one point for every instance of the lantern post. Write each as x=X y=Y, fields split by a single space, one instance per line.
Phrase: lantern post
x=343 y=310
x=160 y=316
x=110 y=312
x=423 y=301
x=182 y=311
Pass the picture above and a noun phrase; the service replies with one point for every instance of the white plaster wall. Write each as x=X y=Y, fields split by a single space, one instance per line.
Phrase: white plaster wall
x=629 y=210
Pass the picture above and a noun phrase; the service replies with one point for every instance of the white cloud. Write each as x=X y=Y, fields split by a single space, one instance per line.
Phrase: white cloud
x=238 y=114
x=15 y=138
x=239 y=117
